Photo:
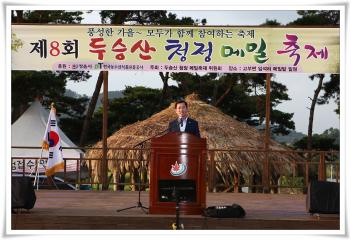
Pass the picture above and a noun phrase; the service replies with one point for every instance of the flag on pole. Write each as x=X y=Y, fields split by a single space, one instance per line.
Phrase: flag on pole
x=52 y=143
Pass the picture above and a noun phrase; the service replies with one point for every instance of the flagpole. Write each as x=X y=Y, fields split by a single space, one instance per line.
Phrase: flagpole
x=37 y=167
x=36 y=178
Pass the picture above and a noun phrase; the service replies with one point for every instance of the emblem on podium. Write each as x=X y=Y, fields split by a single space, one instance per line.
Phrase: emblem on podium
x=178 y=169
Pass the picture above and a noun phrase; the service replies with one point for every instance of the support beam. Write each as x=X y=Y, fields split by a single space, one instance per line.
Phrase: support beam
x=265 y=178
x=104 y=164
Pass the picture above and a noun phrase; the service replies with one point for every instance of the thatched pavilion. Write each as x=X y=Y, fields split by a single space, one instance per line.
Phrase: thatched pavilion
x=221 y=132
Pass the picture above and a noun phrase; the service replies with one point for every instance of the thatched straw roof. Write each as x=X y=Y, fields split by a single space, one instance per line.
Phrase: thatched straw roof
x=220 y=130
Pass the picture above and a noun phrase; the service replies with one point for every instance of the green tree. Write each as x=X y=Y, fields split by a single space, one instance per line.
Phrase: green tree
x=137 y=104
x=239 y=95
x=319 y=18
x=312 y=108
x=153 y=17
x=333 y=133
x=15 y=42
x=331 y=91
x=132 y=17
x=328 y=140
x=49 y=86
x=46 y=16
x=270 y=22
x=28 y=85
x=281 y=121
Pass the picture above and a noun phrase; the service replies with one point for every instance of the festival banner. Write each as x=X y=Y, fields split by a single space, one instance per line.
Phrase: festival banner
x=175 y=49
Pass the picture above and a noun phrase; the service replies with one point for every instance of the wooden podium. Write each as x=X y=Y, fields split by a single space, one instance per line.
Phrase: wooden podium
x=177 y=172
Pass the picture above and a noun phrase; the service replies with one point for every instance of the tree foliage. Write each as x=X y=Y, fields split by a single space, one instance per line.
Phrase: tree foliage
x=46 y=85
x=271 y=22
x=132 y=17
x=154 y=17
x=15 y=42
x=241 y=96
x=46 y=16
x=331 y=91
x=317 y=18
x=137 y=103
x=328 y=140
x=28 y=85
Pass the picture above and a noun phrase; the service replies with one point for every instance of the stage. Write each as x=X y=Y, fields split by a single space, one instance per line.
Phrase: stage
x=96 y=210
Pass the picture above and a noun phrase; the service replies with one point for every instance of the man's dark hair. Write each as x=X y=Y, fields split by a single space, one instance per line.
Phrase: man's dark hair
x=181 y=101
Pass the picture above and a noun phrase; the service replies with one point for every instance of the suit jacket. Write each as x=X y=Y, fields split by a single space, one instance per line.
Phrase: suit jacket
x=192 y=126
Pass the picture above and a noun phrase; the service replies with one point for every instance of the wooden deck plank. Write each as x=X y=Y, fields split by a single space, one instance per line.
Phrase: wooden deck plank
x=55 y=209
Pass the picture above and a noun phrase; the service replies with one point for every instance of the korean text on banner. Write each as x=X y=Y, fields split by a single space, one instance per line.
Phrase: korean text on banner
x=175 y=49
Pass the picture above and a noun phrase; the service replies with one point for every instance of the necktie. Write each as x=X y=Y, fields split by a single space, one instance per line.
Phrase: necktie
x=181 y=122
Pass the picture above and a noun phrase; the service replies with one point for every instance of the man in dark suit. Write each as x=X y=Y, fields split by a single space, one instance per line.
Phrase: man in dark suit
x=183 y=123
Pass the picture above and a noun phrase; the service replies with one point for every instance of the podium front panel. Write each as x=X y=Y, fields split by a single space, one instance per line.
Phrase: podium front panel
x=177 y=173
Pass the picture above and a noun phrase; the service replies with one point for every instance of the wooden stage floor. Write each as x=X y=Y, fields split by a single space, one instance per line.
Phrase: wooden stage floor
x=95 y=210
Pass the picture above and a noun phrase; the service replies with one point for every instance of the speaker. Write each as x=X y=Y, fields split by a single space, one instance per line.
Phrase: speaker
x=22 y=193
x=323 y=197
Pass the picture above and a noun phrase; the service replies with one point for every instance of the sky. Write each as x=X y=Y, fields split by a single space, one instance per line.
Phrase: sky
x=300 y=87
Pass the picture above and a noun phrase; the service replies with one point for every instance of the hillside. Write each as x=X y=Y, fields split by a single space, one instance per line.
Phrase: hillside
x=111 y=95
x=289 y=139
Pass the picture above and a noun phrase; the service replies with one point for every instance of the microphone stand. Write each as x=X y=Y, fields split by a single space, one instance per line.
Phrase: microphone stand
x=139 y=204
x=175 y=194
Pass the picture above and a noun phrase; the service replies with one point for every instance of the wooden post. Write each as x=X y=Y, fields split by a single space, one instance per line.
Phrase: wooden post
x=104 y=133
x=212 y=169
x=337 y=172
x=294 y=169
x=78 y=164
x=24 y=167
x=236 y=182
x=265 y=178
x=64 y=170
x=321 y=167
x=307 y=176
x=90 y=174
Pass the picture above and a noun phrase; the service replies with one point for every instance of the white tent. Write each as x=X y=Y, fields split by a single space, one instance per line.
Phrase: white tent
x=28 y=131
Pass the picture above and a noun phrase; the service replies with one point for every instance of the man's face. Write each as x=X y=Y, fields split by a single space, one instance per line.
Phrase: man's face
x=181 y=110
